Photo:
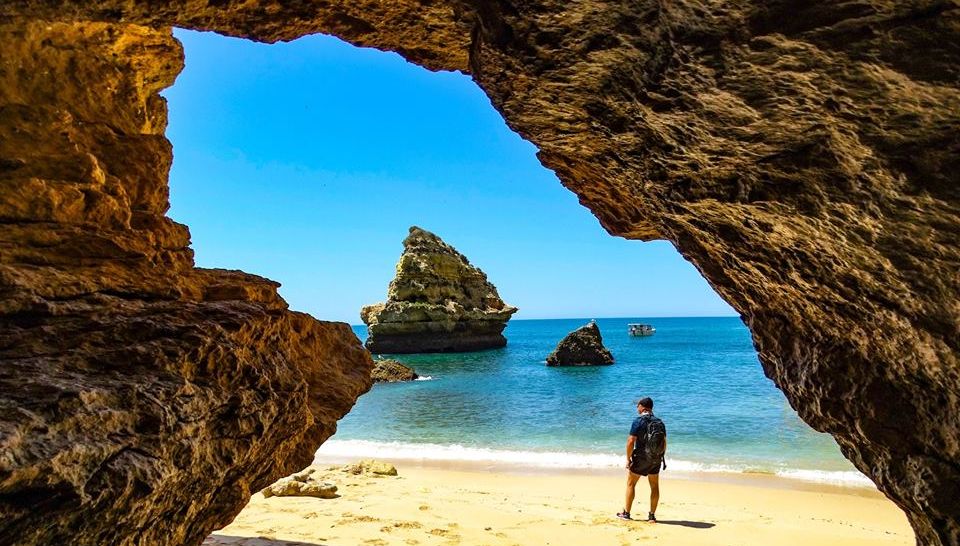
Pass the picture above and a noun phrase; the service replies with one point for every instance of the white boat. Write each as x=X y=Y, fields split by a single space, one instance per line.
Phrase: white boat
x=641 y=330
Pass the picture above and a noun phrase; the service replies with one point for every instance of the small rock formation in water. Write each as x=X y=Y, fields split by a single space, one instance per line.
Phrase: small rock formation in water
x=302 y=484
x=386 y=370
x=581 y=347
x=437 y=303
x=370 y=466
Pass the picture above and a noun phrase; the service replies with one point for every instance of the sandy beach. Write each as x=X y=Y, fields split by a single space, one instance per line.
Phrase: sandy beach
x=464 y=505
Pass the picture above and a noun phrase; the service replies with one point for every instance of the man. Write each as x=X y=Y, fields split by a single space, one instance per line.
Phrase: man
x=646 y=446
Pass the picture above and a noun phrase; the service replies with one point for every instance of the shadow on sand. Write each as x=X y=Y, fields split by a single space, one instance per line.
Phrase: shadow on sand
x=685 y=523
x=227 y=540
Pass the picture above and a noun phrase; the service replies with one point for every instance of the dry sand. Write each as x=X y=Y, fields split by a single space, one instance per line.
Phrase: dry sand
x=434 y=506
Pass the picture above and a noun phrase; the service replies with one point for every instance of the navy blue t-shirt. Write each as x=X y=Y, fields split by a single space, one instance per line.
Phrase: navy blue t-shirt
x=639 y=427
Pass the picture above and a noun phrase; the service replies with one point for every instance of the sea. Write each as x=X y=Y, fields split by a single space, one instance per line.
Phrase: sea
x=505 y=406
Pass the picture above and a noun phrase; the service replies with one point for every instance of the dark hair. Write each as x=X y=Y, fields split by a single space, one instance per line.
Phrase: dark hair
x=646 y=402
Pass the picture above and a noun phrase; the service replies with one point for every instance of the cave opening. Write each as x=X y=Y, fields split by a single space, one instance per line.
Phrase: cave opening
x=305 y=162
x=796 y=167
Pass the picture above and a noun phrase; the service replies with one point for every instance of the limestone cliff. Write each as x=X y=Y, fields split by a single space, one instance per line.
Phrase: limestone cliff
x=141 y=400
x=438 y=302
x=805 y=156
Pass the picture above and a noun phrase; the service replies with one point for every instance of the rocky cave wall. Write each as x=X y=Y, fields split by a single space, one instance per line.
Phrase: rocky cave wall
x=805 y=156
x=141 y=400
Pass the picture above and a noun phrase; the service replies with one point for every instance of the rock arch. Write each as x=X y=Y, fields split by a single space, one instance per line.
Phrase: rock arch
x=805 y=156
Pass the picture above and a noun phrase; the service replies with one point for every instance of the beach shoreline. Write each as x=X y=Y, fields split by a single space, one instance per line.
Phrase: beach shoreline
x=757 y=479
x=428 y=504
x=498 y=459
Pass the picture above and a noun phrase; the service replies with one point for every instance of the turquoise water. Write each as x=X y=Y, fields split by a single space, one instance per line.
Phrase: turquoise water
x=721 y=412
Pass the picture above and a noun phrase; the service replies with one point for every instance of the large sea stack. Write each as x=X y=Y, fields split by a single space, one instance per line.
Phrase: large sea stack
x=581 y=347
x=437 y=303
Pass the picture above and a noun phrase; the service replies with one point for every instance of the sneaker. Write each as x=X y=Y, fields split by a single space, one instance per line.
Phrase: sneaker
x=651 y=518
x=623 y=515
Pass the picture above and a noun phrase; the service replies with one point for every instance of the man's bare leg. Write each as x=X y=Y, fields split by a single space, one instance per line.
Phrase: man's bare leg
x=632 y=480
x=654 y=480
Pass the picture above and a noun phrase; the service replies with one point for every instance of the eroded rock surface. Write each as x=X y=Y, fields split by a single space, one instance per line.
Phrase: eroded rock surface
x=438 y=302
x=319 y=482
x=370 y=466
x=581 y=347
x=805 y=156
x=142 y=401
x=309 y=482
x=386 y=370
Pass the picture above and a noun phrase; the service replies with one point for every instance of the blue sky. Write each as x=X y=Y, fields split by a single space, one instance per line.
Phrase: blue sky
x=306 y=162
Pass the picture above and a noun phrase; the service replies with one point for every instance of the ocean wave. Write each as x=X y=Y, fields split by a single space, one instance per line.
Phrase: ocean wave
x=562 y=460
x=831 y=477
x=424 y=378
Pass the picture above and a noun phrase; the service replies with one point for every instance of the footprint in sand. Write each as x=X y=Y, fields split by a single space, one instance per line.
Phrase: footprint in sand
x=412 y=541
x=445 y=533
x=376 y=542
x=350 y=518
x=400 y=525
x=423 y=508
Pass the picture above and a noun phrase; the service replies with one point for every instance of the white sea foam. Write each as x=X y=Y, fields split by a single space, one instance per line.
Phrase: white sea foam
x=558 y=460
x=833 y=477
x=424 y=378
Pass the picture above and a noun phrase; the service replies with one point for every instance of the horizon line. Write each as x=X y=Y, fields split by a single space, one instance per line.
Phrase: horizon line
x=602 y=318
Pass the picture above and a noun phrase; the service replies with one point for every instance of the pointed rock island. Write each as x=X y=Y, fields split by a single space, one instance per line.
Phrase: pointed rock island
x=437 y=303
x=581 y=347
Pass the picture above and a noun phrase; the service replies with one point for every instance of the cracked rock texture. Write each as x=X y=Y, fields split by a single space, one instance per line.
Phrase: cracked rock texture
x=804 y=156
x=437 y=303
x=141 y=400
x=581 y=347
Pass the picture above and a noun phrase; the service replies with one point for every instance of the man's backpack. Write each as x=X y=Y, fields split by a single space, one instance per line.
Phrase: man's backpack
x=652 y=445
x=656 y=438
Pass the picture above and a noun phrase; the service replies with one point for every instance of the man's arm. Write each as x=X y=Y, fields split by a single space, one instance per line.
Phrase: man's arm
x=631 y=441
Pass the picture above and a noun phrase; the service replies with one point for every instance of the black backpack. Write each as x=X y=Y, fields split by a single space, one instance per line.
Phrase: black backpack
x=652 y=445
